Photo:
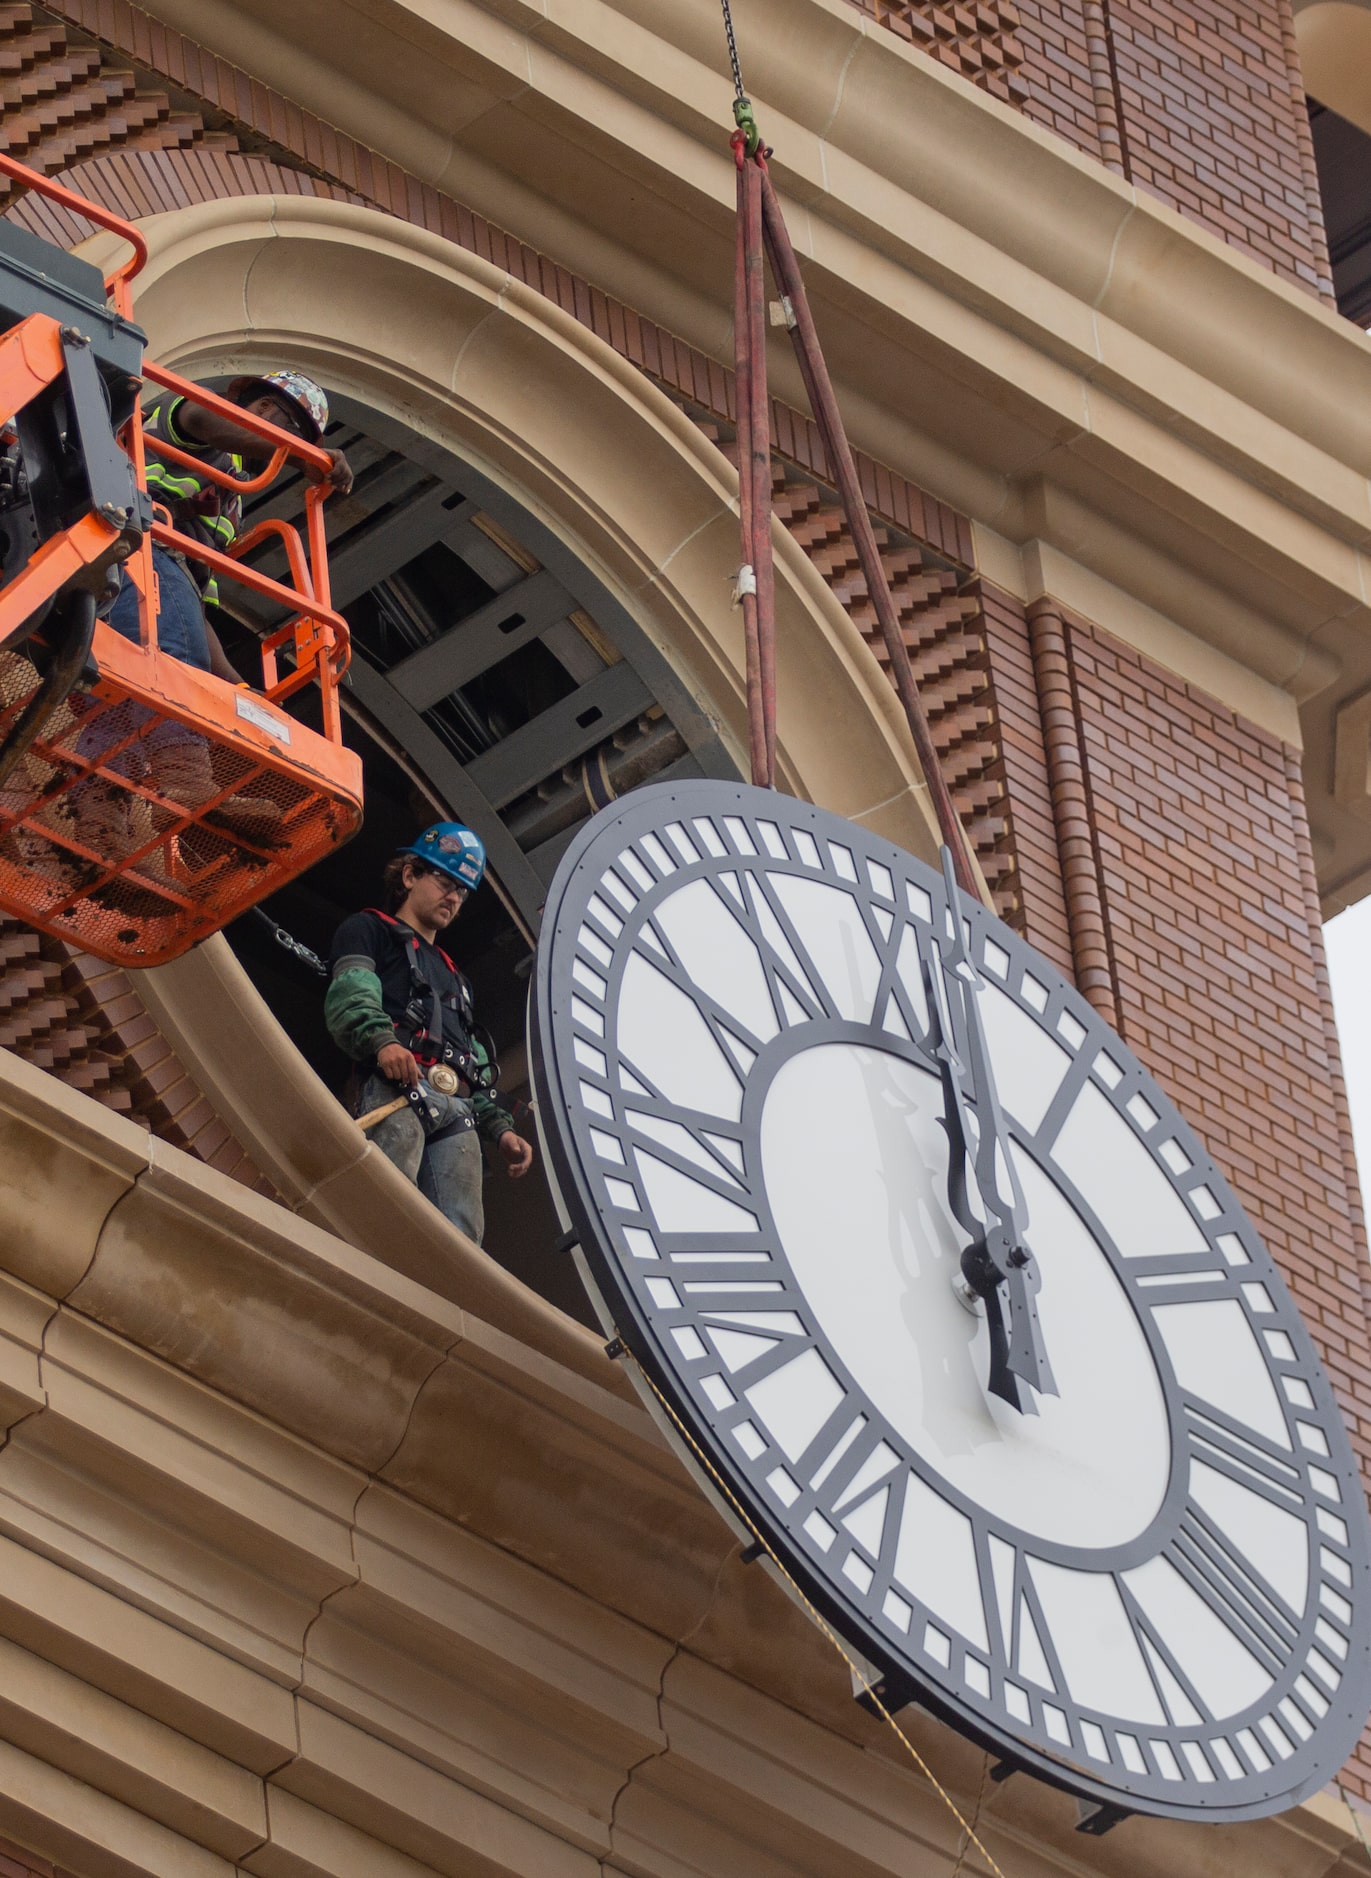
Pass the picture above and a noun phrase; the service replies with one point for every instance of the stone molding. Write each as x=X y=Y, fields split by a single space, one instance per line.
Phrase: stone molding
x=334 y=164
x=1106 y=320
x=261 y=1611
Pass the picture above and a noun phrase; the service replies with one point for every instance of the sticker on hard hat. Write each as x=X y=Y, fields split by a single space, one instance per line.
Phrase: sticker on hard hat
x=248 y=707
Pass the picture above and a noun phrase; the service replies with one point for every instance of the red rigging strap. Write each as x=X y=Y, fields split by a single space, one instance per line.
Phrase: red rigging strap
x=761 y=225
x=756 y=579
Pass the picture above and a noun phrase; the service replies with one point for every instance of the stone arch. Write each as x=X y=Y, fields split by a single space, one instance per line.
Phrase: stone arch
x=462 y=353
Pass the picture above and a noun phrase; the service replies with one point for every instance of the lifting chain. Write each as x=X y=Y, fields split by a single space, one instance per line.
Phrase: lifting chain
x=733 y=52
x=289 y=943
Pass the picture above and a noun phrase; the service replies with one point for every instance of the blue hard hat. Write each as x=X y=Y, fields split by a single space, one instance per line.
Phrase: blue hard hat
x=453 y=849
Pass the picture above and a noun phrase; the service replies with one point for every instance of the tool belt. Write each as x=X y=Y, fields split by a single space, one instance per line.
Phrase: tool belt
x=443 y=1115
x=468 y=1077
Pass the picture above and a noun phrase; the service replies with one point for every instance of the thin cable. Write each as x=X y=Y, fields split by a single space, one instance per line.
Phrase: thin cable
x=733 y=53
x=859 y=1675
x=975 y=1819
x=1356 y=1819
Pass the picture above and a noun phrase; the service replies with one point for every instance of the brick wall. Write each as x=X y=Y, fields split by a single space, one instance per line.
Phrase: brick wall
x=1056 y=72
x=1041 y=912
x=1199 y=102
x=1147 y=839
x=1190 y=836
x=82 y=1022
x=1214 y=122
x=16 y=1863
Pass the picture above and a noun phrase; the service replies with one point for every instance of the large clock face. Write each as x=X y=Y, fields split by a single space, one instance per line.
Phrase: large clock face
x=1149 y=1586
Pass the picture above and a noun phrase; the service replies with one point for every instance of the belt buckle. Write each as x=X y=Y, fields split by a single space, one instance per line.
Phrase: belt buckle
x=443 y=1079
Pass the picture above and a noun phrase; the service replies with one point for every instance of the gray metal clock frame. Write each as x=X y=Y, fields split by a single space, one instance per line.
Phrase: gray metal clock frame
x=637 y=825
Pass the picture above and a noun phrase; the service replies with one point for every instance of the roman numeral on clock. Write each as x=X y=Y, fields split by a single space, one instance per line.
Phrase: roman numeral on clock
x=796 y=988
x=1248 y=1606
x=1241 y=1453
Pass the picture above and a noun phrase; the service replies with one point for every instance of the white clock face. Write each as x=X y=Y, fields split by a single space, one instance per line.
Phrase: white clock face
x=1149 y=1586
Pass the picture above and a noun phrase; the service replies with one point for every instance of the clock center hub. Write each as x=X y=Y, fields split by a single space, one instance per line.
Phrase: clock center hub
x=855 y=1157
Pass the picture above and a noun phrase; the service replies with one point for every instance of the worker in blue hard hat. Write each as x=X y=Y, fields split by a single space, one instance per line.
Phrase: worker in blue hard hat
x=399 y=1008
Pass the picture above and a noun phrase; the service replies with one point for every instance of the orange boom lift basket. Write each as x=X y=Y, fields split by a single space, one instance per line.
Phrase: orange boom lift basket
x=155 y=802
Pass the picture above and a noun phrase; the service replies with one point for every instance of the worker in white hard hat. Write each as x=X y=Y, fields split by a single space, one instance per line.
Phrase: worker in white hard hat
x=175 y=757
x=205 y=511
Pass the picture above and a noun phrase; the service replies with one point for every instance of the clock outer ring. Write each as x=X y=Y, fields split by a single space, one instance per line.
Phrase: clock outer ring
x=648 y=810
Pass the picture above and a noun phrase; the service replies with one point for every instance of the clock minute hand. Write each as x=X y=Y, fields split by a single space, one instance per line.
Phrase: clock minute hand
x=955 y=1119
x=1000 y=1263
x=1003 y=1258
x=961 y=1180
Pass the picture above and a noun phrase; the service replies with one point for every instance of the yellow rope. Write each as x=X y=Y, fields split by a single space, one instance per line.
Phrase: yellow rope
x=975 y=1819
x=1356 y=1819
x=858 y=1675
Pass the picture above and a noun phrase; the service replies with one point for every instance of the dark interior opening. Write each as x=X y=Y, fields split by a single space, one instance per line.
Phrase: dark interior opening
x=478 y=676
x=485 y=941
x=1342 y=154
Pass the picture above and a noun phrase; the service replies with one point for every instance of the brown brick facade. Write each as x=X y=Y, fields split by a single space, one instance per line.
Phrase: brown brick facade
x=1199 y=102
x=17 y=1863
x=83 y=1022
x=1145 y=838
x=1182 y=853
x=980 y=41
x=1212 y=115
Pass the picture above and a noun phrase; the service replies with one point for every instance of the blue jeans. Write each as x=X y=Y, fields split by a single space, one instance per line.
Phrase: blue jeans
x=181 y=633
x=447 y=1170
x=180 y=612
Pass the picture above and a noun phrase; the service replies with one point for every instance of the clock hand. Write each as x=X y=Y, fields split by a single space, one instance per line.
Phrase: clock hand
x=999 y=1265
x=956 y=1122
x=1002 y=1381
x=1003 y=1259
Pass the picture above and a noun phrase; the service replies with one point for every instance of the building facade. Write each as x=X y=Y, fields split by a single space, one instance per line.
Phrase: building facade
x=331 y=1543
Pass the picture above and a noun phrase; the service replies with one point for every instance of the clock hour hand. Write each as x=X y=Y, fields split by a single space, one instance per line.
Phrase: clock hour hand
x=998 y=1265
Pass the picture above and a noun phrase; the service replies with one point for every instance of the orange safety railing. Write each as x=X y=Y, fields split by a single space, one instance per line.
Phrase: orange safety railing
x=316 y=636
x=159 y=802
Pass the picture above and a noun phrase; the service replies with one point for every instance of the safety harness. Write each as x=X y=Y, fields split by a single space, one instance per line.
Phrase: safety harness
x=438 y=1027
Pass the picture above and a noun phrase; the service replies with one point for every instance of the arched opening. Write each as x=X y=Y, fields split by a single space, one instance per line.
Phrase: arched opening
x=579 y=470
x=482 y=686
